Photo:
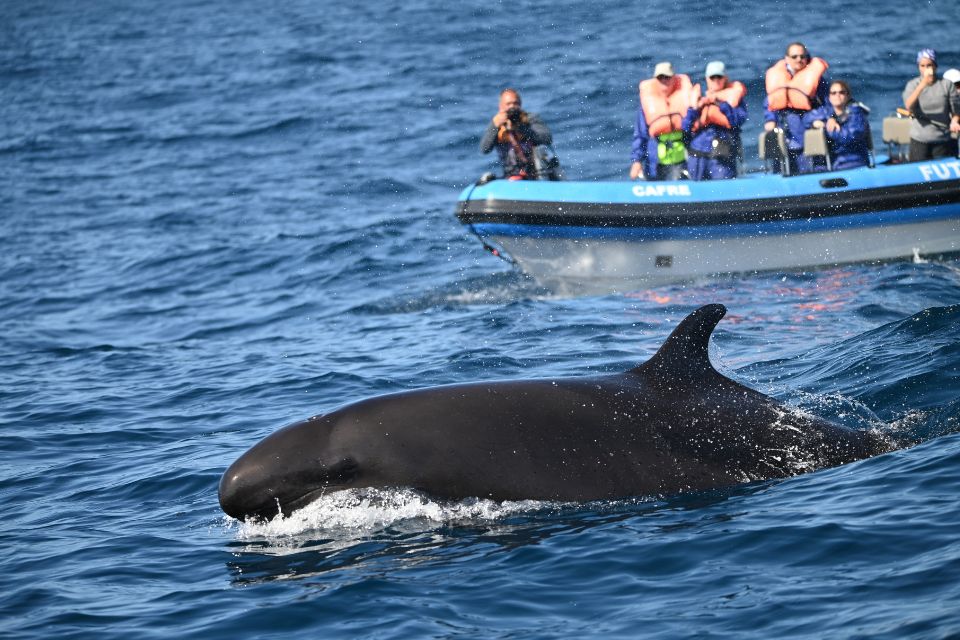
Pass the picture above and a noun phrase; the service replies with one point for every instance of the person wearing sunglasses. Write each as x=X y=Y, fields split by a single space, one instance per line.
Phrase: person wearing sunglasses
x=795 y=85
x=935 y=106
x=658 y=151
x=515 y=133
x=847 y=126
x=713 y=125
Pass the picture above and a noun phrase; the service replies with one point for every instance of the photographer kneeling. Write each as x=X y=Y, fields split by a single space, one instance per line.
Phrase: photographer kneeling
x=515 y=133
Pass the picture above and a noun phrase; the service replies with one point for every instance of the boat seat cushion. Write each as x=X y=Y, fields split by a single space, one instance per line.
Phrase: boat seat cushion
x=814 y=142
x=896 y=130
x=772 y=144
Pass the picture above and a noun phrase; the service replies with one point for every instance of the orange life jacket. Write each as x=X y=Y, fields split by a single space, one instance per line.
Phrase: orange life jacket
x=711 y=114
x=664 y=108
x=794 y=92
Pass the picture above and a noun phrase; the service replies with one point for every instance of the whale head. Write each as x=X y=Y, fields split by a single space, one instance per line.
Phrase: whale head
x=284 y=472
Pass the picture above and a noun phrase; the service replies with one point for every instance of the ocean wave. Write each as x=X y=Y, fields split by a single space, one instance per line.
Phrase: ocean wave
x=380 y=186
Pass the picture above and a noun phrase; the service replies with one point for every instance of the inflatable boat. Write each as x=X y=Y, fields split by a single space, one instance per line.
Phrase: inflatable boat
x=621 y=236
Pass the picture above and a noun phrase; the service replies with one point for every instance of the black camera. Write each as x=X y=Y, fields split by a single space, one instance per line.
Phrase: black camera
x=513 y=115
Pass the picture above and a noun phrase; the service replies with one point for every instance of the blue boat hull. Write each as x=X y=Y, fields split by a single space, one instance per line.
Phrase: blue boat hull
x=624 y=235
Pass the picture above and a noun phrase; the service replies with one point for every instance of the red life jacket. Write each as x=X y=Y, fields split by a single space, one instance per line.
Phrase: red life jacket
x=711 y=114
x=664 y=107
x=794 y=92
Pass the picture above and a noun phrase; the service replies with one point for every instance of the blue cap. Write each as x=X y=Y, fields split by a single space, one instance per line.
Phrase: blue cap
x=927 y=53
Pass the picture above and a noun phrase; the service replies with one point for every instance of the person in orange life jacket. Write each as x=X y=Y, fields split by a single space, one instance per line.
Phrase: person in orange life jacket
x=794 y=86
x=847 y=127
x=713 y=125
x=935 y=106
x=658 y=152
x=515 y=132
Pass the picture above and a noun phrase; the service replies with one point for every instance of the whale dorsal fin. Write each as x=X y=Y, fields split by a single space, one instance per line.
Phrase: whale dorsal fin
x=685 y=352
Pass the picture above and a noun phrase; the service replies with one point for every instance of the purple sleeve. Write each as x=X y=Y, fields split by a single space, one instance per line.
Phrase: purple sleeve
x=690 y=119
x=820 y=113
x=641 y=135
x=768 y=116
x=736 y=116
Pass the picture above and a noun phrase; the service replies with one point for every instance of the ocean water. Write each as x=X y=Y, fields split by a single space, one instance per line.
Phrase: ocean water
x=217 y=218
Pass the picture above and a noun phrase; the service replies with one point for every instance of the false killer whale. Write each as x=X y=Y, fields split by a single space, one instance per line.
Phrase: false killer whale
x=671 y=425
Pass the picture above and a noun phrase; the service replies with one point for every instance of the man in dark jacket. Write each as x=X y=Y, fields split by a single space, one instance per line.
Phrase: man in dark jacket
x=515 y=133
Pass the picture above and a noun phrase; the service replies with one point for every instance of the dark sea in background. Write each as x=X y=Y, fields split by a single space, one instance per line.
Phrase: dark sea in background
x=217 y=218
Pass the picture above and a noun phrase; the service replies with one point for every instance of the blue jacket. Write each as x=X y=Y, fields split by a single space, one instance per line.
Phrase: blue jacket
x=848 y=146
x=703 y=139
x=644 y=148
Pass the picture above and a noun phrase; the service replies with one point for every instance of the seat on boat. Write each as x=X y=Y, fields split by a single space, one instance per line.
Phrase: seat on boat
x=896 y=131
x=815 y=144
x=547 y=163
x=772 y=145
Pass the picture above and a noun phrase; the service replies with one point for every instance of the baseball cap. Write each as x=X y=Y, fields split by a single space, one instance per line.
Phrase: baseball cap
x=715 y=68
x=663 y=69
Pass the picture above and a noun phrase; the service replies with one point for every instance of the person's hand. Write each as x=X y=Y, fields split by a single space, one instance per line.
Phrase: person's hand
x=833 y=126
x=817 y=124
x=636 y=171
x=769 y=125
x=704 y=101
x=955 y=125
x=500 y=119
x=927 y=78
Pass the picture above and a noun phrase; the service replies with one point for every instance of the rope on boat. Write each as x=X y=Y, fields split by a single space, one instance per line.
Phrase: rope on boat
x=492 y=249
x=486 y=245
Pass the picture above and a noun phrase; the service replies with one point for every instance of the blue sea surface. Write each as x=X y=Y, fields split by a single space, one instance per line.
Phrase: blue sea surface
x=217 y=218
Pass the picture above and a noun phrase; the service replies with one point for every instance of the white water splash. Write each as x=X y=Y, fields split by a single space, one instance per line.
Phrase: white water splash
x=796 y=458
x=358 y=512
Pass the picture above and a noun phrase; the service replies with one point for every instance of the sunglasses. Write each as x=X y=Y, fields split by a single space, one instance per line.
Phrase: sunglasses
x=664 y=77
x=841 y=92
x=717 y=77
x=797 y=56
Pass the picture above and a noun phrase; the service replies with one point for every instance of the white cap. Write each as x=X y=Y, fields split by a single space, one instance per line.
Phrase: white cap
x=663 y=69
x=715 y=68
x=953 y=75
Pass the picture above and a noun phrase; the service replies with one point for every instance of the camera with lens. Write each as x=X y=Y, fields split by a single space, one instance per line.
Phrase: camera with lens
x=513 y=115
